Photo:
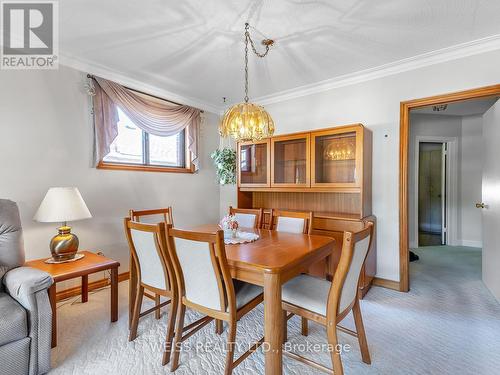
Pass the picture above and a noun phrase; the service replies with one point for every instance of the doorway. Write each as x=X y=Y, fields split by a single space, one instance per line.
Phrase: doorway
x=405 y=163
x=431 y=196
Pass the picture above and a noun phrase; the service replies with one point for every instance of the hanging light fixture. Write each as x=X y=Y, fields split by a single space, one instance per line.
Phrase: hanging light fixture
x=247 y=121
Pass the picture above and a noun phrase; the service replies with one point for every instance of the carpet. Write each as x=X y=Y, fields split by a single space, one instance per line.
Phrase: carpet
x=448 y=323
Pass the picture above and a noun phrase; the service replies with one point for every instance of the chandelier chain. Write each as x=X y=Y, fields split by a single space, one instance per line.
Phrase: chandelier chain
x=248 y=39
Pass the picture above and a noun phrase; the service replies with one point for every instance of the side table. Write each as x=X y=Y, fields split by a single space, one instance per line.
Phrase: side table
x=90 y=263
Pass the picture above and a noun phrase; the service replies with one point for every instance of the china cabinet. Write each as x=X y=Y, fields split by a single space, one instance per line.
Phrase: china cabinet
x=326 y=171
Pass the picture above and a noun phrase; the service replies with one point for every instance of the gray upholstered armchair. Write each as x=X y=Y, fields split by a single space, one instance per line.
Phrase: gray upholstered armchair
x=25 y=313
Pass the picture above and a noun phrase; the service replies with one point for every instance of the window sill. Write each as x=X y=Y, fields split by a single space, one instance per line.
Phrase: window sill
x=143 y=168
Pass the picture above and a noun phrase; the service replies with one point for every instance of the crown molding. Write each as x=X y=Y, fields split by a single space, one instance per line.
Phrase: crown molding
x=455 y=52
x=133 y=83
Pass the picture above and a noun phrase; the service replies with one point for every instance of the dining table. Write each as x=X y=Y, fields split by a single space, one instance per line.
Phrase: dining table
x=270 y=261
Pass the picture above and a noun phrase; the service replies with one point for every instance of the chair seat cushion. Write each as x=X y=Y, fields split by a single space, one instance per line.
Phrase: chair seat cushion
x=13 y=320
x=245 y=293
x=307 y=292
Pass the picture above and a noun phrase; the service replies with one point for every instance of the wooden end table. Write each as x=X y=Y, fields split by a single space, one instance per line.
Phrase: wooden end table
x=90 y=263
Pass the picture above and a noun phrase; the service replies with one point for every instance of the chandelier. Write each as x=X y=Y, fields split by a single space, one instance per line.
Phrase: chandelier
x=247 y=121
x=340 y=149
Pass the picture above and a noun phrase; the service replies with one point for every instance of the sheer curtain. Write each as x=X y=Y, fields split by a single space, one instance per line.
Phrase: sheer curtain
x=154 y=116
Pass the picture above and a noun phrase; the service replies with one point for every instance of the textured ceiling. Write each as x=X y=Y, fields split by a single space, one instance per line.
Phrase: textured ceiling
x=194 y=48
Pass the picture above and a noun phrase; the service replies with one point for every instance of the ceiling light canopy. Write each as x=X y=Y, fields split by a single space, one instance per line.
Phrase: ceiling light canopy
x=247 y=121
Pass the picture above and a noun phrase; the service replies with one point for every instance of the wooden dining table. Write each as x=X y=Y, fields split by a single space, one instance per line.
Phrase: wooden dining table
x=271 y=261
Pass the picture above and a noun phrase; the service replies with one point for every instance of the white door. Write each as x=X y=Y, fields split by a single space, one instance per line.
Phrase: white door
x=444 y=167
x=491 y=200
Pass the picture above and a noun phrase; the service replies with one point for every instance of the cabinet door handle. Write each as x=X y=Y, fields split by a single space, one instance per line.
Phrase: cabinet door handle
x=480 y=205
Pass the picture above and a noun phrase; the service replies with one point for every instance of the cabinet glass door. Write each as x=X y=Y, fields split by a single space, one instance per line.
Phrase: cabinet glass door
x=254 y=164
x=336 y=158
x=290 y=161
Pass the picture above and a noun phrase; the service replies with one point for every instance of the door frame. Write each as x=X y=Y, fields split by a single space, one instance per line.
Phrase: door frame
x=451 y=195
x=404 y=139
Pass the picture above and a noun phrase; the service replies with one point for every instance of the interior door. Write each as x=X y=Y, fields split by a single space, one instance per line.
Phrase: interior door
x=444 y=171
x=430 y=192
x=491 y=200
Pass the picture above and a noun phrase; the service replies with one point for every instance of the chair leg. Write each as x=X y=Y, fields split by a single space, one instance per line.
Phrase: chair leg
x=305 y=327
x=137 y=311
x=360 y=329
x=157 y=303
x=219 y=327
x=335 y=353
x=178 y=337
x=285 y=326
x=170 y=332
x=231 y=337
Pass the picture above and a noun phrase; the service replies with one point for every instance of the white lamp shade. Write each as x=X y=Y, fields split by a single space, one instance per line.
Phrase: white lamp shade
x=62 y=204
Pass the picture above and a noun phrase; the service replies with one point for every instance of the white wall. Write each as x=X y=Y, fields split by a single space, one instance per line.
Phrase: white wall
x=46 y=140
x=376 y=104
x=471 y=174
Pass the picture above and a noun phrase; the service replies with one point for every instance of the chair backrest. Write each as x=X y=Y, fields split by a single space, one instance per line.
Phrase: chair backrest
x=201 y=269
x=154 y=216
x=148 y=247
x=344 y=289
x=11 y=235
x=247 y=217
x=291 y=221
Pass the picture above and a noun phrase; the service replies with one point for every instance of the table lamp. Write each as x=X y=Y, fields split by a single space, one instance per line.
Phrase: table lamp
x=62 y=204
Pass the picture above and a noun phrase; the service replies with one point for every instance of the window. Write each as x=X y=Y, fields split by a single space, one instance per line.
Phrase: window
x=133 y=148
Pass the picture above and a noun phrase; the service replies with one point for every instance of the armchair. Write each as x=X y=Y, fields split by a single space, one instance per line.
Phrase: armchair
x=25 y=311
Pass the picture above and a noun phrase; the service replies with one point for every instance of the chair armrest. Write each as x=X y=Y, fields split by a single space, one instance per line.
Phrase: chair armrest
x=28 y=286
x=23 y=282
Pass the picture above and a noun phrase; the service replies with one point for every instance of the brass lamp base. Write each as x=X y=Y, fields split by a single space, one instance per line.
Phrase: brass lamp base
x=64 y=245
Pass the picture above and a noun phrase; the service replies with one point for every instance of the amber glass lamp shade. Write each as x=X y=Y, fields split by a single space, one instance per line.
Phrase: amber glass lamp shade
x=246 y=122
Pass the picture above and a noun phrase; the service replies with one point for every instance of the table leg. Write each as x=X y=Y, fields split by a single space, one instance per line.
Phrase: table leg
x=52 y=299
x=114 y=294
x=85 y=288
x=273 y=324
x=132 y=290
x=329 y=268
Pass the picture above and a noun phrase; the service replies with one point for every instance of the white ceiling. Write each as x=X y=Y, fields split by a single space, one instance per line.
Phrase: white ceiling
x=194 y=48
x=465 y=108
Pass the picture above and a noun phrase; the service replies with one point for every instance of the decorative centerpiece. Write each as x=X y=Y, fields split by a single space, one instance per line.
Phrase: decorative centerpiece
x=230 y=226
x=232 y=235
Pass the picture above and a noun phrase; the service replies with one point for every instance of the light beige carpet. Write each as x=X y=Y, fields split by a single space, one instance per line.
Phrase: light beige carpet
x=448 y=324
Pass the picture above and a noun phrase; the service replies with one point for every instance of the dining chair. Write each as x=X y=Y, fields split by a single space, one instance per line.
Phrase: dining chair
x=247 y=217
x=328 y=303
x=204 y=284
x=293 y=222
x=155 y=273
x=153 y=216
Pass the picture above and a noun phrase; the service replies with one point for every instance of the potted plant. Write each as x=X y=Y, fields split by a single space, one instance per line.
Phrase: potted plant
x=225 y=164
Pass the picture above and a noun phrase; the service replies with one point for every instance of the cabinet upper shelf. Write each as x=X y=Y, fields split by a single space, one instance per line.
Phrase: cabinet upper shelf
x=329 y=160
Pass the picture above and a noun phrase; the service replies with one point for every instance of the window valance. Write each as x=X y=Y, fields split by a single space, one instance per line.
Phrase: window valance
x=151 y=114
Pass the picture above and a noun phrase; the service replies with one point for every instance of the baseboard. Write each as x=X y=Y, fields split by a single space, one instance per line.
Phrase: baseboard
x=77 y=290
x=384 y=283
x=471 y=243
